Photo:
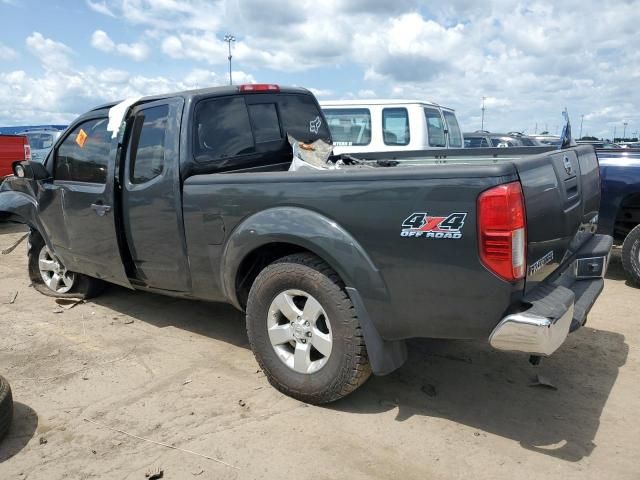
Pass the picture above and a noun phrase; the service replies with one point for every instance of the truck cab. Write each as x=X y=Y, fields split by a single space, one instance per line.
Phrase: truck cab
x=391 y=125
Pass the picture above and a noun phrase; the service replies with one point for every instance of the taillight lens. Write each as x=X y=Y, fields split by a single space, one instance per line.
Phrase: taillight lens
x=27 y=152
x=502 y=228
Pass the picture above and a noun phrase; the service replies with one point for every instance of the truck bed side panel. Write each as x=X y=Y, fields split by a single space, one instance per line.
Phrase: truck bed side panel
x=430 y=281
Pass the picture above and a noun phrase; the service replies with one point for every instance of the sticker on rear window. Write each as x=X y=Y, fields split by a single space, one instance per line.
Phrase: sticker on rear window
x=314 y=125
x=428 y=226
x=81 y=137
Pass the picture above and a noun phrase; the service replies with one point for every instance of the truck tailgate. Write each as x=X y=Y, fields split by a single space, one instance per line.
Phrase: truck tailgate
x=562 y=196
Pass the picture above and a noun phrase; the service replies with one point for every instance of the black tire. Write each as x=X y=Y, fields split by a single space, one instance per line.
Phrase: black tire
x=84 y=286
x=347 y=367
x=6 y=407
x=631 y=255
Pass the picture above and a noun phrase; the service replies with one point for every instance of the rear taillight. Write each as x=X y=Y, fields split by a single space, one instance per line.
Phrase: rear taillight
x=27 y=152
x=502 y=228
x=259 y=87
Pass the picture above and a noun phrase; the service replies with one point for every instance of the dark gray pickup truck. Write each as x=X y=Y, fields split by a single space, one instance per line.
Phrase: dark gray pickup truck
x=190 y=195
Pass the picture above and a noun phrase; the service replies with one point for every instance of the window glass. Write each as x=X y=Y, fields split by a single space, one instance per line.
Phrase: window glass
x=84 y=154
x=264 y=117
x=349 y=126
x=395 y=126
x=435 y=128
x=147 y=157
x=222 y=129
x=301 y=118
x=455 y=135
x=475 y=142
x=40 y=141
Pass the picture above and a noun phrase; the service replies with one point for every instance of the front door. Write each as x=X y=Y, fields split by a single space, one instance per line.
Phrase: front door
x=151 y=199
x=83 y=187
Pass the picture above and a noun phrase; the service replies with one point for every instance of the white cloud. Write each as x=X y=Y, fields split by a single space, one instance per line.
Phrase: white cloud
x=135 y=51
x=51 y=54
x=7 y=53
x=321 y=92
x=100 y=7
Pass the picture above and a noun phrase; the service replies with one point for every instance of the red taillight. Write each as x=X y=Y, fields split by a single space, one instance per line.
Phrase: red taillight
x=502 y=228
x=259 y=87
x=27 y=152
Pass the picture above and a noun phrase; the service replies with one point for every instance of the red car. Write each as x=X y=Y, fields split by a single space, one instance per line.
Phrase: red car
x=12 y=149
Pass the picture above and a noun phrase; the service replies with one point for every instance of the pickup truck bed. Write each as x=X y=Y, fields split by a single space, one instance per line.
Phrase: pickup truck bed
x=333 y=268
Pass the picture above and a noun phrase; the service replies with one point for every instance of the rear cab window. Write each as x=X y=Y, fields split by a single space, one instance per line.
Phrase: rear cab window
x=349 y=126
x=395 y=126
x=254 y=124
x=435 y=127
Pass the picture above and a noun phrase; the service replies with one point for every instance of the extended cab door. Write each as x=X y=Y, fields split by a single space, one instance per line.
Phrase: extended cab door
x=151 y=197
x=78 y=210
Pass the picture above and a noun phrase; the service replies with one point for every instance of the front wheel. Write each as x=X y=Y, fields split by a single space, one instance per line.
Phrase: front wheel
x=304 y=331
x=50 y=277
x=631 y=255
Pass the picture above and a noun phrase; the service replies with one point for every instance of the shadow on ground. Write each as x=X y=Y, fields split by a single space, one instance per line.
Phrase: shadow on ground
x=615 y=271
x=493 y=391
x=465 y=382
x=23 y=428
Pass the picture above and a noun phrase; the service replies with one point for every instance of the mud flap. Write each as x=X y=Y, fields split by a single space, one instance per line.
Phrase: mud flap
x=385 y=356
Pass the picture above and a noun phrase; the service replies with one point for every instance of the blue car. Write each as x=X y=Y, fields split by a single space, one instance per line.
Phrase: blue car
x=620 y=204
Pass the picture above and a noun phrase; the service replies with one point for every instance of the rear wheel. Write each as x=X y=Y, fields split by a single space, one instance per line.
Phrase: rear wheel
x=631 y=255
x=6 y=407
x=50 y=277
x=304 y=332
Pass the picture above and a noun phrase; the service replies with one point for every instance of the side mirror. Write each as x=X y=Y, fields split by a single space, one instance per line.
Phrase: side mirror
x=30 y=170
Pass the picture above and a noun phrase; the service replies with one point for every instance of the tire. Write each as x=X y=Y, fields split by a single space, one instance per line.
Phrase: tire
x=631 y=255
x=327 y=377
x=82 y=286
x=6 y=407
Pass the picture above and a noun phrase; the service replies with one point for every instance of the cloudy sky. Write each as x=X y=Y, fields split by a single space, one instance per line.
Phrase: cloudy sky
x=529 y=59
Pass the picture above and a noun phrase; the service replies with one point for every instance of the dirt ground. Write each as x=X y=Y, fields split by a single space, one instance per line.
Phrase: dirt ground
x=180 y=373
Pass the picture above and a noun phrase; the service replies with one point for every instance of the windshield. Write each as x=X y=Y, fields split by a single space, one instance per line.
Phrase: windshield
x=349 y=126
x=455 y=135
x=40 y=141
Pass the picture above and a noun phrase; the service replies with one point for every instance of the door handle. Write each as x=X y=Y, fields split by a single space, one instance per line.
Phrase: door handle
x=100 y=209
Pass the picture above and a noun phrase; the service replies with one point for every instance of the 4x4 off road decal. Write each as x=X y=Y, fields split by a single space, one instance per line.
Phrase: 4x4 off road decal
x=423 y=225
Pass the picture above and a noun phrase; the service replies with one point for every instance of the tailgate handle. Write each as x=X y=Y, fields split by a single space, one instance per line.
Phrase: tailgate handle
x=101 y=209
x=571 y=187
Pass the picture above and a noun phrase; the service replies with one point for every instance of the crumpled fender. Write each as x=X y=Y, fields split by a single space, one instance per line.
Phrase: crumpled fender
x=18 y=204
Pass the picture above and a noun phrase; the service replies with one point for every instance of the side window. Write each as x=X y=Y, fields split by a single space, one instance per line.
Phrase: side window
x=264 y=117
x=84 y=154
x=435 y=128
x=301 y=118
x=455 y=135
x=222 y=129
x=349 y=126
x=395 y=126
x=147 y=151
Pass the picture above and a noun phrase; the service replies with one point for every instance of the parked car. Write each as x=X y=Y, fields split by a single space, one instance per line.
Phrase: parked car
x=41 y=141
x=526 y=140
x=390 y=125
x=484 y=139
x=334 y=268
x=620 y=205
x=552 y=140
x=12 y=149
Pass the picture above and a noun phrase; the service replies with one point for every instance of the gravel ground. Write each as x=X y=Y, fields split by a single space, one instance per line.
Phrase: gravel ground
x=180 y=373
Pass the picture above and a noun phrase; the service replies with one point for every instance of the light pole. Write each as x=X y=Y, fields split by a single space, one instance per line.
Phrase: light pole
x=483 y=109
x=581 y=120
x=614 y=134
x=624 y=132
x=229 y=38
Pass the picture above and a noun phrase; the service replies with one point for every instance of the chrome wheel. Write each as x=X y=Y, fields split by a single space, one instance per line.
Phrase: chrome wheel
x=299 y=331
x=53 y=273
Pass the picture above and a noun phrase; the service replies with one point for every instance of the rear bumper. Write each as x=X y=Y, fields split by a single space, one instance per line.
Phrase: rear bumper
x=558 y=307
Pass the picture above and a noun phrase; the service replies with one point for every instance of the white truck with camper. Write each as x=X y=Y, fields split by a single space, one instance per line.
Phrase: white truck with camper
x=359 y=126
